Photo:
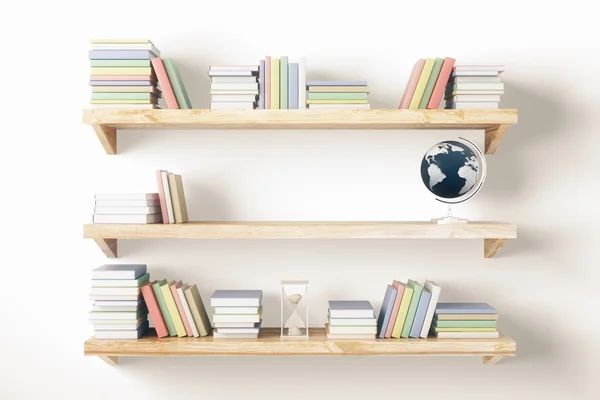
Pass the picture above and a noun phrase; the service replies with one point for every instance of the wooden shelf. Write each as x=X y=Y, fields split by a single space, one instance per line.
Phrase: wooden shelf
x=106 y=123
x=270 y=344
x=494 y=234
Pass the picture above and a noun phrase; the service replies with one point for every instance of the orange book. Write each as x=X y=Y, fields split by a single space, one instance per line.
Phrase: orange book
x=165 y=83
x=154 y=309
x=440 y=84
x=412 y=84
x=186 y=324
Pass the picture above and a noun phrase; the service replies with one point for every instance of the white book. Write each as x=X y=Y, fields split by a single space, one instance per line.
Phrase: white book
x=301 y=82
x=118 y=303
x=339 y=106
x=127 y=219
x=232 y=105
x=254 y=318
x=125 y=106
x=229 y=92
x=352 y=321
x=119 y=271
x=467 y=335
x=126 y=46
x=233 y=97
x=476 y=92
x=233 y=79
x=435 y=291
x=126 y=196
x=186 y=309
x=113 y=297
x=234 y=86
x=114 y=308
x=238 y=310
x=231 y=73
x=127 y=203
x=474 y=97
x=236 y=298
x=121 y=282
x=465 y=105
x=479 y=67
x=218 y=335
x=253 y=68
x=119 y=291
x=116 y=325
x=121 y=334
x=475 y=73
x=165 y=181
x=114 y=316
x=127 y=210
x=479 y=86
x=238 y=330
x=477 y=79
x=236 y=324
x=352 y=330
x=347 y=336
x=350 y=309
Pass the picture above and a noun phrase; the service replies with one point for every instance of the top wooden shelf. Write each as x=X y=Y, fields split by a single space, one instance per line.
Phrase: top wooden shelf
x=106 y=123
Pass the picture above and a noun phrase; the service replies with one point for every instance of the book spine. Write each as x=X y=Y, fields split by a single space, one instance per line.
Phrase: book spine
x=283 y=83
x=302 y=83
x=420 y=89
x=415 y=330
x=261 y=85
x=267 y=82
x=161 y=196
x=435 y=72
x=293 y=86
x=275 y=83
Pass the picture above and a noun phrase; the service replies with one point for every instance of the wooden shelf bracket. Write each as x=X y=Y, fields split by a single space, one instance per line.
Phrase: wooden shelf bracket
x=491 y=246
x=107 y=137
x=110 y=360
x=493 y=137
x=108 y=246
x=491 y=360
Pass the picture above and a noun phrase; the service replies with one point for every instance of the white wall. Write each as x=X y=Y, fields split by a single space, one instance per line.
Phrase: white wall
x=543 y=178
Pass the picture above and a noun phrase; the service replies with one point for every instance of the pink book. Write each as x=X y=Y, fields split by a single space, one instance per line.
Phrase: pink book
x=123 y=78
x=188 y=328
x=165 y=83
x=440 y=84
x=412 y=84
x=398 y=286
x=154 y=309
x=267 y=82
x=161 y=196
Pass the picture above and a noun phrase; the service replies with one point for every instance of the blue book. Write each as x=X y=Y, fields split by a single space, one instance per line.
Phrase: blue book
x=261 y=85
x=121 y=83
x=415 y=331
x=119 y=271
x=386 y=310
x=283 y=82
x=336 y=83
x=121 y=55
x=464 y=308
x=293 y=86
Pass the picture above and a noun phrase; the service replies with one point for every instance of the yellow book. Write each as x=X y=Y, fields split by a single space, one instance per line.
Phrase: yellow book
x=172 y=307
x=122 y=101
x=402 y=311
x=422 y=84
x=125 y=41
x=465 y=329
x=309 y=101
x=275 y=83
x=104 y=71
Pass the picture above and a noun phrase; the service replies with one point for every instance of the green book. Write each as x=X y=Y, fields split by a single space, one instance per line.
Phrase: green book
x=435 y=72
x=120 y=63
x=177 y=84
x=122 y=96
x=163 y=307
x=412 y=308
x=337 y=96
x=283 y=82
x=464 y=324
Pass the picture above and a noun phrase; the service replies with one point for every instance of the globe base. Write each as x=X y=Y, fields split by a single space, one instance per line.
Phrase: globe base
x=449 y=220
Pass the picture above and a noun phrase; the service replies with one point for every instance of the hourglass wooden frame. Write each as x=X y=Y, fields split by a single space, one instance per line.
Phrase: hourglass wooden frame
x=286 y=297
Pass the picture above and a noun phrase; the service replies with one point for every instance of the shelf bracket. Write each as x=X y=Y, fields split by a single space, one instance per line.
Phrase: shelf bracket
x=493 y=137
x=108 y=246
x=489 y=360
x=491 y=246
x=110 y=360
x=108 y=138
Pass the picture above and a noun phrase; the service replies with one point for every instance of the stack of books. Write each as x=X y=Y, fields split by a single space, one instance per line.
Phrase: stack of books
x=282 y=83
x=173 y=206
x=233 y=87
x=327 y=95
x=122 y=75
x=465 y=321
x=475 y=87
x=118 y=311
x=176 y=309
x=237 y=313
x=127 y=208
x=407 y=309
x=426 y=84
x=348 y=319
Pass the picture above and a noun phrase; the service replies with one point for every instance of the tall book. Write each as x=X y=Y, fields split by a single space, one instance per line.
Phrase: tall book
x=293 y=86
x=168 y=198
x=198 y=311
x=283 y=82
x=412 y=84
x=178 y=87
x=165 y=85
x=163 y=306
x=172 y=306
x=261 y=85
x=386 y=310
x=402 y=311
x=440 y=84
x=267 y=82
x=412 y=308
x=435 y=291
x=186 y=323
x=187 y=310
x=161 y=196
x=421 y=84
x=437 y=66
x=415 y=330
x=154 y=309
x=301 y=82
x=178 y=198
x=400 y=292
x=275 y=83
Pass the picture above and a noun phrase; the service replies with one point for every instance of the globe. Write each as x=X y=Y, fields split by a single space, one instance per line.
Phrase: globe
x=454 y=170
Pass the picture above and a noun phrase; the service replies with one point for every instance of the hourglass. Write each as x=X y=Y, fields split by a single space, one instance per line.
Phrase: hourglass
x=294 y=294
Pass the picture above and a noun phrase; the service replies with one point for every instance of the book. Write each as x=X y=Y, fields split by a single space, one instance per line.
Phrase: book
x=350 y=309
x=120 y=55
x=417 y=327
x=122 y=325
x=182 y=314
x=236 y=324
x=498 y=68
x=337 y=96
x=236 y=298
x=125 y=106
x=394 y=314
x=465 y=324
x=351 y=321
x=267 y=82
x=474 y=73
x=99 y=84
x=230 y=68
x=165 y=83
x=436 y=329
x=261 y=85
x=161 y=196
x=231 y=73
x=122 y=334
x=178 y=198
x=218 y=335
x=108 y=71
x=127 y=210
x=421 y=84
x=147 y=79
x=476 y=79
x=440 y=84
x=164 y=310
x=336 y=83
x=353 y=330
x=236 y=318
x=127 y=89
x=187 y=310
x=154 y=309
x=251 y=98
x=309 y=101
x=339 y=106
x=467 y=335
x=334 y=336
x=122 y=41
x=119 y=271
x=118 y=291
x=293 y=86
x=411 y=85
x=164 y=175
x=126 y=196
x=198 y=311
x=283 y=82
x=234 y=92
x=123 y=101
x=181 y=95
x=402 y=310
x=119 y=303
x=435 y=291
x=435 y=72
x=301 y=82
x=478 y=86
x=255 y=330
x=475 y=97
x=115 y=308
x=386 y=310
x=474 y=92
x=120 y=315
x=472 y=106
x=464 y=308
x=126 y=219
x=468 y=317
x=121 y=282
x=235 y=86
x=165 y=288
x=338 y=89
x=237 y=310
x=120 y=63
x=113 y=297
x=234 y=79
x=412 y=308
x=232 y=105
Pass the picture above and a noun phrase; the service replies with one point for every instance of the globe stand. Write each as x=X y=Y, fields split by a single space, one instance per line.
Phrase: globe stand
x=449 y=219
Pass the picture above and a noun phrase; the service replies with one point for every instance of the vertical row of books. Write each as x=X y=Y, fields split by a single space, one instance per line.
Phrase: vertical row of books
x=427 y=83
x=328 y=95
x=233 y=87
x=282 y=83
x=349 y=319
x=475 y=87
x=237 y=313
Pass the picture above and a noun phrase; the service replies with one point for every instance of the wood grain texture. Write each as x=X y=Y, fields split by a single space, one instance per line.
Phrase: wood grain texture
x=110 y=360
x=491 y=360
x=493 y=137
x=269 y=343
x=108 y=246
x=491 y=247
x=108 y=138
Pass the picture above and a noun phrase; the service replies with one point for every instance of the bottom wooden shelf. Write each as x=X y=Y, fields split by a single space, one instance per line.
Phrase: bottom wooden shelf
x=270 y=344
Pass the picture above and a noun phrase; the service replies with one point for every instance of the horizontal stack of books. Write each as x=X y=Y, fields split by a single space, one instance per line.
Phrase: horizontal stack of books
x=233 y=87
x=407 y=309
x=127 y=208
x=475 y=87
x=173 y=206
x=327 y=95
x=122 y=75
x=118 y=311
x=426 y=84
x=465 y=321
x=282 y=83
x=348 y=319
x=176 y=309
x=237 y=313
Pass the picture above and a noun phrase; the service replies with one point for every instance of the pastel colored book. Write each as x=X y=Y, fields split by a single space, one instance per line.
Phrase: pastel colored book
x=122 y=334
x=119 y=291
x=339 y=106
x=109 y=325
x=154 y=309
x=421 y=84
x=177 y=83
x=161 y=195
x=465 y=324
x=232 y=105
x=99 y=297
x=467 y=335
x=261 y=84
x=168 y=198
x=351 y=321
x=435 y=72
x=402 y=310
x=350 y=309
x=119 y=63
x=293 y=86
x=476 y=79
x=233 y=92
x=126 y=219
x=109 y=71
x=236 y=324
x=125 y=107
x=236 y=298
x=230 y=68
x=400 y=292
x=301 y=82
x=124 y=303
x=125 y=77
x=267 y=82
x=475 y=73
x=123 y=96
x=236 y=318
x=126 y=196
x=115 y=308
x=234 y=97
x=440 y=84
x=338 y=89
x=198 y=310
x=309 y=101
x=179 y=304
x=411 y=85
x=127 y=89
x=123 y=41
x=237 y=310
x=187 y=310
x=121 y=282
x=475 y=92
x=164 y=310
x=435 y=291
x=121 y=315
x=120 y=55
x=119 y=271
x=239 y=330
x=172 y=307
x=436 y=329
x=336 y=83
x=337 y=96
x=478 y=86
x=218 y=335
x=361 y=336
x=125 y=84
x=126 y=46
x=415 y=330
x=123 y=101
x=178 y=198
x=283 y=82
x=480 y=67
x=235 y=86
x=230 y=73
x=234 y=79
x=466 y=317
x=353 y=330
x=472 y=98
x=472 y=106
x=412 y=308
x=386 y=310
x=464 y=308
x=165 y=83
